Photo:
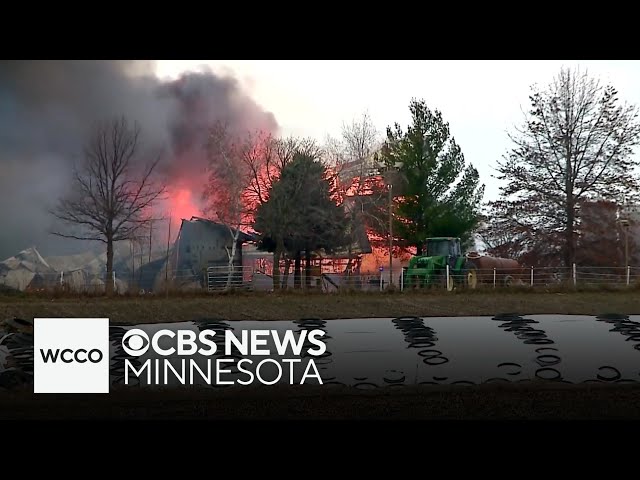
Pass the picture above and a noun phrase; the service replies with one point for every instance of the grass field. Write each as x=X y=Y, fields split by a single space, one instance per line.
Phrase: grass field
x=291 y=306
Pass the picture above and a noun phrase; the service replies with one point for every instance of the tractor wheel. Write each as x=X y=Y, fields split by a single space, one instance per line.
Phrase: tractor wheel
x=470 y=275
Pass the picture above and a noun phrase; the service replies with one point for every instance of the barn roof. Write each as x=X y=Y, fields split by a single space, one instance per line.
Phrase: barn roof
x=243 y=237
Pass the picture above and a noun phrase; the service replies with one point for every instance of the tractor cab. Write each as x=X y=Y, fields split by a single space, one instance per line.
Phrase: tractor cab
x=443 y=247
x=441 y=264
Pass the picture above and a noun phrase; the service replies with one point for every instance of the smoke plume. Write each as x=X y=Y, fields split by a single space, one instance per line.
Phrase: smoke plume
x=48 y=107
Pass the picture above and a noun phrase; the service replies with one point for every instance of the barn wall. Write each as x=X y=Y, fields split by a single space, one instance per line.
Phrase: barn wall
x=202 y=245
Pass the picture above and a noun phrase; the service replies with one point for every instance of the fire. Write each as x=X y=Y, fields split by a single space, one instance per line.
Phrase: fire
x=179 y=203
x=182 y=204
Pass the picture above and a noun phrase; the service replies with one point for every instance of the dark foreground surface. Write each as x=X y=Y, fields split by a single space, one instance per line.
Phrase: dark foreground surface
x=523 y=401
x=263 y=306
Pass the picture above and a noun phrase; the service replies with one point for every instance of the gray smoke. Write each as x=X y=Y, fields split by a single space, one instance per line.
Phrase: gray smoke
x=48 y=107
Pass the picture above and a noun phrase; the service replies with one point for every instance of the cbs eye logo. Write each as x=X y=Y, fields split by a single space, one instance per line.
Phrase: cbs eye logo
x=135 y=342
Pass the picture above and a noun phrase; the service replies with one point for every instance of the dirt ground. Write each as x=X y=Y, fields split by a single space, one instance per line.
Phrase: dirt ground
x=257 y=306
x=534 y=401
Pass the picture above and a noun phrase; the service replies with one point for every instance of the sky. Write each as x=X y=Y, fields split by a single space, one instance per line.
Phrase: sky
x=481 y=100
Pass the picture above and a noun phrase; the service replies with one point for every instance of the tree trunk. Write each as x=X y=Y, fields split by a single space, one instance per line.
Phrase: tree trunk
x=307 y=272
x=570 y=250
x=276 y=269
x=569 y=237
x=296 y=274
x=276 y=265
x=108 y=282
x=285 y=277
x=347 y=269
x=358 y=277
x=348 y=280
x=232 y=256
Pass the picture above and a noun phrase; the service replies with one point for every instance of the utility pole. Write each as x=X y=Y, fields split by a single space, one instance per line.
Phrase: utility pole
x=133 y=260
x=166 y=266
x=390 y=233
x=391 y=174
x=625 y=222
x=626 y=243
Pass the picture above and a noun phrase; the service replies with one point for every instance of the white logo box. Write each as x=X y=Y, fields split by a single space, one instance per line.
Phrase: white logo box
x=80 y=347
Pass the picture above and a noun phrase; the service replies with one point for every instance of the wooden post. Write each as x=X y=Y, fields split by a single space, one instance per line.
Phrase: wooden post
x=166 y=266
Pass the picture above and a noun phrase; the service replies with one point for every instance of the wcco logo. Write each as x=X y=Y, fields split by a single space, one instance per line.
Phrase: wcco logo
x=71 y=355
x=67 y=355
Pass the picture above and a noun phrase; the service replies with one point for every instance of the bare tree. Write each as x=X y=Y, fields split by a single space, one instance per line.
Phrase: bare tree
x=265 y=162
x=112 y=194
x=243 y=167
x=227 y=190
x=576 y=143
x=351 y=159
x=265 y=165
x=506 y=236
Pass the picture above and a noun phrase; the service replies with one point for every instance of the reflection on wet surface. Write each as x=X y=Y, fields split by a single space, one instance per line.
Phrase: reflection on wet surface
x=393 y=352
x=529 y=335
x=396 y=352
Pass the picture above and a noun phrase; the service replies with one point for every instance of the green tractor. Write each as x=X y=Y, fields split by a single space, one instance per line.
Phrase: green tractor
x=430 y=270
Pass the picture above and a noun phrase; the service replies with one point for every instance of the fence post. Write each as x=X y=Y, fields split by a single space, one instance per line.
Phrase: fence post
x=61 y=278
x=494 y=277
x=402 y=279
x=381 y=281
x=532 y=275
x=628 y=274
x=447 y=284
x=113 y=274
x=575 y=276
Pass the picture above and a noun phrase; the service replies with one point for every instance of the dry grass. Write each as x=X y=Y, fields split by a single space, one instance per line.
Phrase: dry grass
x=290 y=306
x=519 y=401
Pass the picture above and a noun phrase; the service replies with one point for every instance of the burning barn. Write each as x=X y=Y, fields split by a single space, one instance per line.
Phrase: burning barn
x=204 y=245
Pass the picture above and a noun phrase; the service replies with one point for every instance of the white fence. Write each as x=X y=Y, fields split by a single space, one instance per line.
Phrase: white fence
x=224 y=278
x=245 y=277
x=250 y=278
x=576 y=276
